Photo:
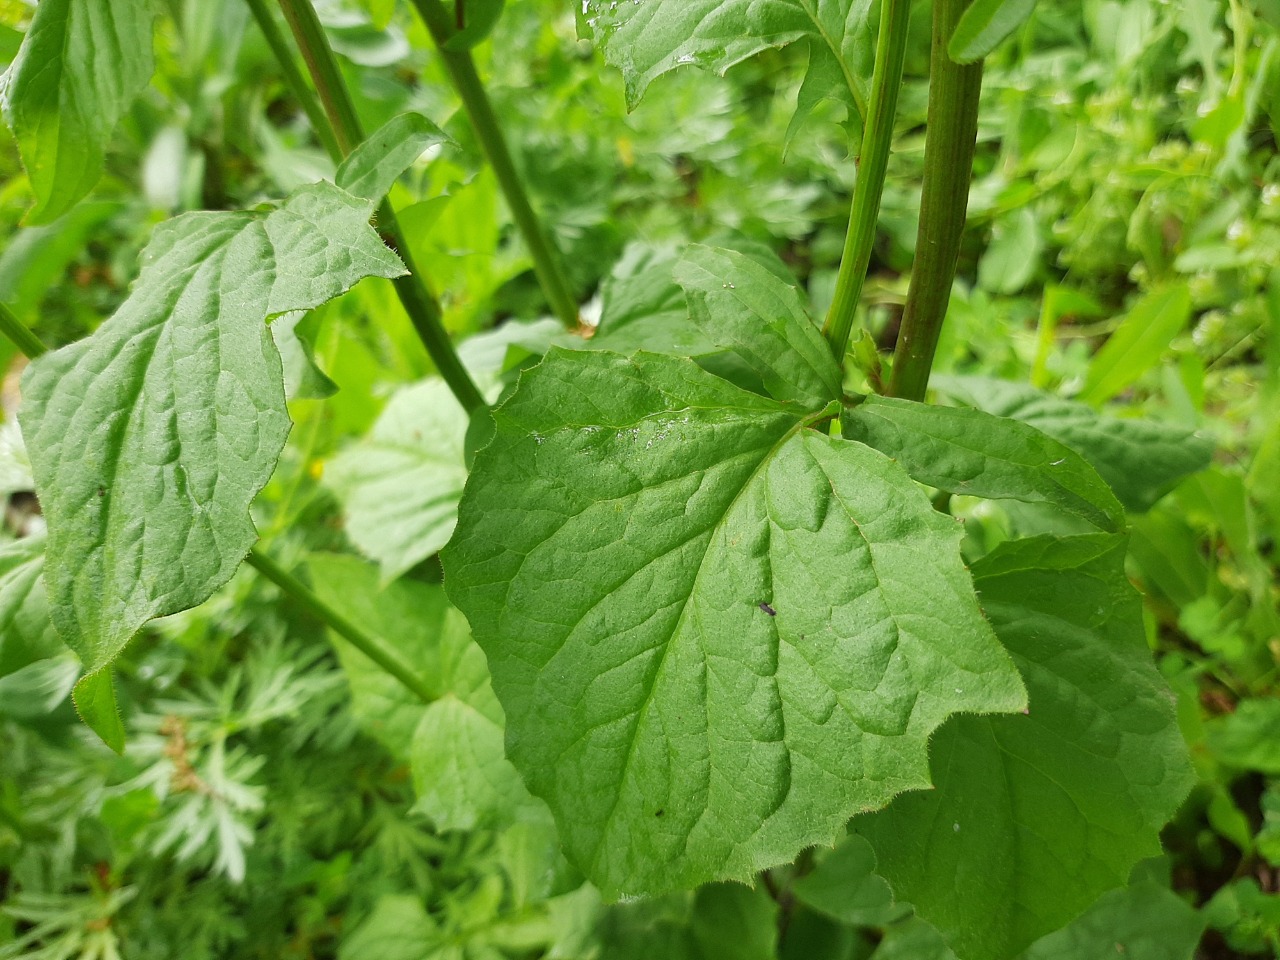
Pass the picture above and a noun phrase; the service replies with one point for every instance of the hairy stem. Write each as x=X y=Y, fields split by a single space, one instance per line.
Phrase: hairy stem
x=886 y=81
x=17 y=331
x=948 y=167
x=419 y=302
x=462 y=71
x=372 y=647
x=293 y=77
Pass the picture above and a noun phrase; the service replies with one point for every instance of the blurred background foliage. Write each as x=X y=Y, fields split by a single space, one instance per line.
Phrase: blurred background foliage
x=278 y=800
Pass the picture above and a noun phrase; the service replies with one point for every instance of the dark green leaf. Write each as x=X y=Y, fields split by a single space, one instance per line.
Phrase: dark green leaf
x=150 y=438
x=1141 y=922
x=844 y=886
x=716 y=634
x=1035 y=816
x=478 y=18
x=1140 y=459
x=742 y=306
x=973 y=453
x=374 y=165
x=984 y=24
x=80 y=67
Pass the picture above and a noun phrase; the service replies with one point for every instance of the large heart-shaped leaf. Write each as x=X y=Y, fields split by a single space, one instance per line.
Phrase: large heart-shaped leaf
x=716 y=632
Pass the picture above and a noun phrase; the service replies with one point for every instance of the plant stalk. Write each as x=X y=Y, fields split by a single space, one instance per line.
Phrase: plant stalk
x=877 y=139
x=950 y=140
x=372 y=647
x=293 y=77
x=419 y=302
x=17 y=331
x=462 y=71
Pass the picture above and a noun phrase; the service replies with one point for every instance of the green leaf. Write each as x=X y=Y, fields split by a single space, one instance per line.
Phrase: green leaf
x=844 y=886
x=400 y=487
x=26 y=632
x=1138 y=343
x=1141 y=922
x=95 y=699
x=1249 y=738
x=373 y=167
x=984 y=24
x=479 y=17
x=646 y=40
x=80 y=67
x=1035 y=816
x=716 y=634
x=973 y=453
x=398 y=929
x=150 y=438
x=1141 y=460
x=742 y=306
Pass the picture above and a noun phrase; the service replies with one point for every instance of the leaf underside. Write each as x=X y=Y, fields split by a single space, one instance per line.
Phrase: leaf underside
x=716 y=633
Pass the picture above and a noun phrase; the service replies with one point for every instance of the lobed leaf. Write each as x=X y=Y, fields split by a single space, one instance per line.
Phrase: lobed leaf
x=716 y=634
x=1141 y=460
x=150 y=438
x=1035 y=816
x=973 y=453
x=79 y=68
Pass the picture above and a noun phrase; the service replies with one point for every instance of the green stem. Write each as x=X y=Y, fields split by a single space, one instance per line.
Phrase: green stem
x=886 y=81
x=419 y=302
x=372 y=647
x=17 y=331
x=462 y=71
x=952 y=130
x=297 y=83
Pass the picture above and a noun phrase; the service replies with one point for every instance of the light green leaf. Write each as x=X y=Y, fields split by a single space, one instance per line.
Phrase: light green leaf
x=1141 y=922
x=742 y=306
x=478 y=18
x=1249 y=738
x=1141 y=460
x=973 y=453
x=716 y=634
x=1139 y=342
x=1016 y=249
x=646 y=40
x=150 y=438
x=398 y=929
x=95 y=700
x=26 y=632
x=373 y=167
x=400 y=487
x=984 y=24
x=79 y=68
x=1035 y=816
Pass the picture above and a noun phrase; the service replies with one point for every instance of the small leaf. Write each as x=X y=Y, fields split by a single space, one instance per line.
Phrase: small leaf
x=373 y=167
x=398 y=929
x=26 y=633
x=1035 y=816
x=79 y=68
x=95 y=699
x=743 y=306
x=1249 y=738
x=401 y=486
x=1141 y=460
x=844 y=886
x=150 y=438
x=1138 y=343
x=475 y=22
x=973 y=453
x=984 y=24
x=615 y=543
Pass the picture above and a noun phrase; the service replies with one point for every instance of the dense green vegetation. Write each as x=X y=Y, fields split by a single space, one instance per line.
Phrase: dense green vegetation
x=304 y=754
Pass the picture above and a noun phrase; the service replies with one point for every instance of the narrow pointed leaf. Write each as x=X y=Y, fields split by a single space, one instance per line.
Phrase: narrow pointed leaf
x=79 y=68
x=646 y=40
x=741 y=305
x=478 y=18
x=400 y=487
x=150 y=438
x=716 y=634
x=984 y=25
x=1141 y=460
x=374 y=165
x=1035 y=816
x=1139 y=342
x=973 y=453
x=26 y=632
